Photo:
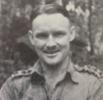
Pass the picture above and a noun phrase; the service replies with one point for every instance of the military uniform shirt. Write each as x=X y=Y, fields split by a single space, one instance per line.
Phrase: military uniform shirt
x=79 y=83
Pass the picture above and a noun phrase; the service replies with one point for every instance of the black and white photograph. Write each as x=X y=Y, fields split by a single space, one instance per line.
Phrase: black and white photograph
x=51 y=49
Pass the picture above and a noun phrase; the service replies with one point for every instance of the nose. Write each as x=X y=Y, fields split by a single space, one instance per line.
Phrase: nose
x=51 y=44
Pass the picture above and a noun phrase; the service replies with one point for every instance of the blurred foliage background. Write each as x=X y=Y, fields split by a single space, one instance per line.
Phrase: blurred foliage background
x=15 y=50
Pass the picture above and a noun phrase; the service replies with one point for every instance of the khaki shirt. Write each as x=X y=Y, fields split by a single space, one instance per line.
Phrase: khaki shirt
x=79 y=83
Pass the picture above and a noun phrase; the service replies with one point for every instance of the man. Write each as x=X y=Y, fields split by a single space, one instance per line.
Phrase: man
x=53 y=77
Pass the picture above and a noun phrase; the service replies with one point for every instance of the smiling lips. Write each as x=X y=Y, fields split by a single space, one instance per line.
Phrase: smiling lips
x=51 y=51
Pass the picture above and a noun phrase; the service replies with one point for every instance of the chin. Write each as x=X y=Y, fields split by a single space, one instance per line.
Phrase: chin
x=52 y=62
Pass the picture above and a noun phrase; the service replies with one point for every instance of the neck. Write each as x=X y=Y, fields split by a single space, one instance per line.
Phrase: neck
x=53 y=71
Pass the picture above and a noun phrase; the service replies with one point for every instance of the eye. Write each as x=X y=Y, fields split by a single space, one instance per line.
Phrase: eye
x=59 y=34
x=42 y=35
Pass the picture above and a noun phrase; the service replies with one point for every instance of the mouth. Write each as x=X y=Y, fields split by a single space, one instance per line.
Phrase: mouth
x=51 y=52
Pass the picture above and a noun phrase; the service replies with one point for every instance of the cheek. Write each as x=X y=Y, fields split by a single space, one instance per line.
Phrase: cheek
x=64 y=42
x=38 y=42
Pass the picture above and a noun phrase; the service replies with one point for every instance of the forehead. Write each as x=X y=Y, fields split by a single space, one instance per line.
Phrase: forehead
x=54 y=20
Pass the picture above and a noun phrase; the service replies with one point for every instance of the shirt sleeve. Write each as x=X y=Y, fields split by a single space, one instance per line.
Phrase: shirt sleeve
x=7 y=91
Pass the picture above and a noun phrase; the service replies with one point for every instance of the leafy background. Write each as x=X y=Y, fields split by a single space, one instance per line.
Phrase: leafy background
x=15 y=50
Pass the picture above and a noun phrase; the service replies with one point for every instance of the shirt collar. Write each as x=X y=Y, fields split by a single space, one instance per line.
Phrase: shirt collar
x=38 y=78
x=74 y=74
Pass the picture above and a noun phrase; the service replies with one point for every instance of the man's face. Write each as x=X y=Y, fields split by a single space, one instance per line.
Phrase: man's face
x=51 y=35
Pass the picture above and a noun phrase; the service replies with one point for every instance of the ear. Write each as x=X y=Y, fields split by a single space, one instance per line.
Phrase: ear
x=73 y=33
x=30 y=35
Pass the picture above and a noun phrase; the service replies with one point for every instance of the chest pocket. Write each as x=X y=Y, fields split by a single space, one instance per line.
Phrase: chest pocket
x=34 y=93
x=74 y=92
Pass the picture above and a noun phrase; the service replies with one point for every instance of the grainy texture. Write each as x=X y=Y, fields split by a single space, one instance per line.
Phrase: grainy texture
x=14 y=23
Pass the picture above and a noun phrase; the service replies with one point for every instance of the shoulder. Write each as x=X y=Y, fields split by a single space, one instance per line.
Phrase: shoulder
x=17 y=82
x=91 y=77
x=22 y=73
x=19 y=79
x=89 y=70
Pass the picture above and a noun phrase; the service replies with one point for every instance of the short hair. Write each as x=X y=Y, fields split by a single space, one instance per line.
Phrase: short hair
x=49 y=9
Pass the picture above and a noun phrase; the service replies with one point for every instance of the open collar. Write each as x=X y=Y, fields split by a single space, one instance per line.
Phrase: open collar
x=38 y=78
